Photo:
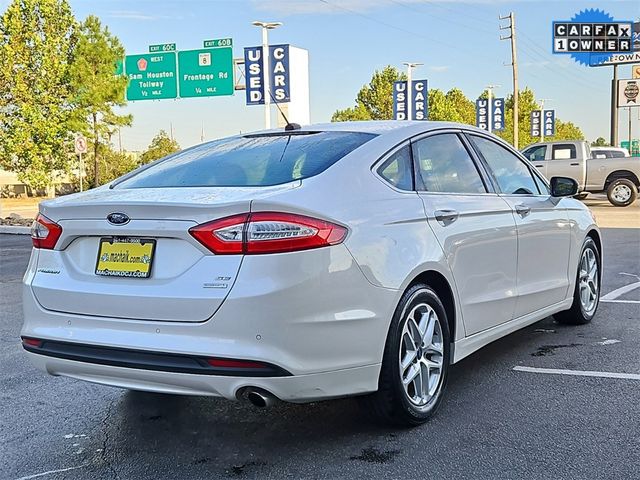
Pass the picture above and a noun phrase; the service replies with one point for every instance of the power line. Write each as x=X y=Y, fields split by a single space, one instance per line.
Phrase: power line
x=395 y=27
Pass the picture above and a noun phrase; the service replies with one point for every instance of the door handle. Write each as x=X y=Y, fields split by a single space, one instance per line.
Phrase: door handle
x=539 y=166
x=522 y=209
x=575 y=164
x=446 y=217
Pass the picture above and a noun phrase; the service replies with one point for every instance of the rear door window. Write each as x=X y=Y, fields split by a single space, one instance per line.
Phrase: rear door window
x=250 y=161
x=563 y=152
x=444 y=165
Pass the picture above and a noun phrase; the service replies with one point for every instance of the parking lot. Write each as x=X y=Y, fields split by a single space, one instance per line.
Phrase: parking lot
x=516 y=409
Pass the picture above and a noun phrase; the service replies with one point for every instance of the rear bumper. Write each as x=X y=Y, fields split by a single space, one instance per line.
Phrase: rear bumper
x=298 y=389
x=312 y=314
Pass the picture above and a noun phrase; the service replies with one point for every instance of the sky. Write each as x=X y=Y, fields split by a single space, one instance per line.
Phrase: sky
x=457 y=41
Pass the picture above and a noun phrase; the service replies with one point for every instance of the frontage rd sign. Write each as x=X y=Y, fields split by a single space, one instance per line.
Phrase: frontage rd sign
x=206 y=72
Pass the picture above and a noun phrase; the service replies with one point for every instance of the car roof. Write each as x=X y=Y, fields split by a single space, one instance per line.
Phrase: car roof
x=380 y=127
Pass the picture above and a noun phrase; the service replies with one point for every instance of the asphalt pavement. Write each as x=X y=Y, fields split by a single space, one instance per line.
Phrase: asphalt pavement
x=495 y=423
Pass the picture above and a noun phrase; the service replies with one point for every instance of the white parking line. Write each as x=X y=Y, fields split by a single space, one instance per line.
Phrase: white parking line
x=28 y=477
x=618 y=292
x=620 y=301
x=578 y=373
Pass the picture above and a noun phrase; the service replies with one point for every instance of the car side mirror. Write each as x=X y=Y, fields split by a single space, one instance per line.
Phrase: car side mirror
x=563 y=187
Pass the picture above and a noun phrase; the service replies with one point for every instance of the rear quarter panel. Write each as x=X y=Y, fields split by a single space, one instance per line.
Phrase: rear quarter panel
x=389 y=236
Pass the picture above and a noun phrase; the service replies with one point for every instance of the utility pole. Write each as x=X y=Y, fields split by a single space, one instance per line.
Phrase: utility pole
x=629 y=128
x=171 y=131
x=614 y=108
x=514 y=64
x=202 y=133
x=410 y=66
x=542 y=100
x=119 y=140
x=490 y=89
x=266 y=26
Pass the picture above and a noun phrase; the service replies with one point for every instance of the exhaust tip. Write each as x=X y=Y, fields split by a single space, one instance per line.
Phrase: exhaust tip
x=260 y=399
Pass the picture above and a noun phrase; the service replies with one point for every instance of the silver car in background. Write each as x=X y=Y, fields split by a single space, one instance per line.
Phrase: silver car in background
x=344 y=259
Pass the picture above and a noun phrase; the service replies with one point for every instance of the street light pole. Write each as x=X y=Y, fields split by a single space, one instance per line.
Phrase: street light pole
x=266 y=26
x=410 y=66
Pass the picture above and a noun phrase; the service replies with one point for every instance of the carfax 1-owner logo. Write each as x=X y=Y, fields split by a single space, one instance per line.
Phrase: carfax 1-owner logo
x=593 y=36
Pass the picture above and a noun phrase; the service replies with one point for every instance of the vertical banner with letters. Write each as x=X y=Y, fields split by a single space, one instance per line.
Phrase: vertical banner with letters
x=536 y=123
x=254 y=70
x=420 y=100
x=497 y=114
x=399 y=100
x=279 y=79
x=549 y=125
x=482 y=113
x=543 y=123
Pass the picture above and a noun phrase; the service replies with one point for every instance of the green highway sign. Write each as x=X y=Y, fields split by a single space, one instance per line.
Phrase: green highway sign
x=218 y=42
x=119 y=67
x=206 y=72
x=163 y=47
x=152 y=76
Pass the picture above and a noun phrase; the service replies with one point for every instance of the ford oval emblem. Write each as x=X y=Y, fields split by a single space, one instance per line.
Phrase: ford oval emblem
x=118 y=218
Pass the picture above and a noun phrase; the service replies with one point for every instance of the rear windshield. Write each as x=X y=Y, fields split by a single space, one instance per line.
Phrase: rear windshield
x=250 y=161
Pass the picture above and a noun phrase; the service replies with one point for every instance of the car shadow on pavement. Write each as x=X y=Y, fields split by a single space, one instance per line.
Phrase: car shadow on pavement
x=238 y=439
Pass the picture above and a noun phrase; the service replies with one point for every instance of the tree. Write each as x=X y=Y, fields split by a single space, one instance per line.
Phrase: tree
x=375 y=100
x=113 y=164
x=96 y=87
x=600 y=142
x=453 y=106
x=37 y=38
x=160 y=146
x=526 y=104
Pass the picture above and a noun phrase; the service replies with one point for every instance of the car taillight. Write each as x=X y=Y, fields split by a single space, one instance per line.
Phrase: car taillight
x=45 y=233
x=267 y=232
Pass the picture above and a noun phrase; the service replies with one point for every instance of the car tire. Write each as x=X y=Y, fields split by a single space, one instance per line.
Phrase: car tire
x=419 y=315
x=586 y=294
x=581 y=196
x=622 y=192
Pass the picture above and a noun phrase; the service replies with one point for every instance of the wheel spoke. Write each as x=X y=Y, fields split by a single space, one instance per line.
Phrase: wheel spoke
x=427 y=338
x=435 y=347
x=412 y=373
x=408 y=359
x=584 y=295
x=432 y=364
x=424 y=382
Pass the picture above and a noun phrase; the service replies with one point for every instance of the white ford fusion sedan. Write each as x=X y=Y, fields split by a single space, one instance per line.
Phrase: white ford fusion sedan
x=346 y=259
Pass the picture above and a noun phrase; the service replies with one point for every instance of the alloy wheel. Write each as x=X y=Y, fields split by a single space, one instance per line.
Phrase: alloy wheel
x=589 y=281
x=421 y=354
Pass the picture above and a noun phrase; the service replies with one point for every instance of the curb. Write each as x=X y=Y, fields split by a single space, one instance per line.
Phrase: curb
x=15 y=230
